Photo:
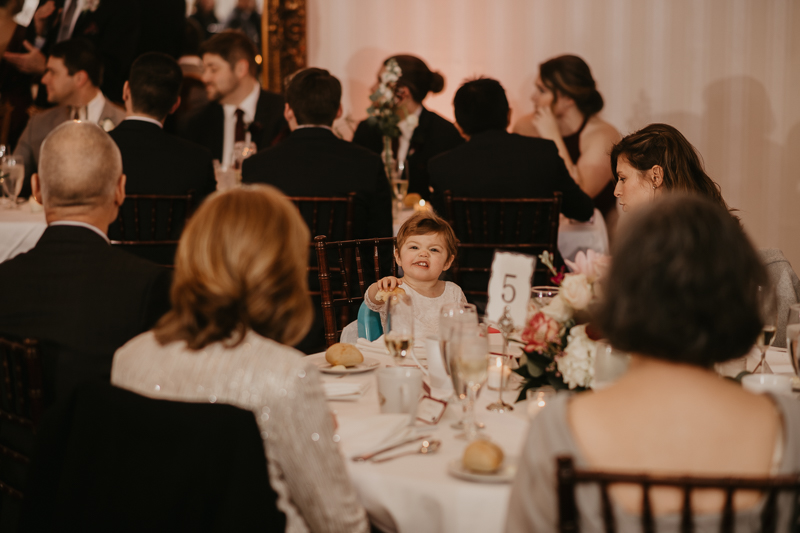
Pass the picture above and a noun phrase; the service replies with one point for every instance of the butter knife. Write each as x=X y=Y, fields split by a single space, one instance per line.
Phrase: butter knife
x=368 y=456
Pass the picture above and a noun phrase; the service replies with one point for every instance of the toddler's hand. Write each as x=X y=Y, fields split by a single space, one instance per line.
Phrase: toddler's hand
x=389 y=283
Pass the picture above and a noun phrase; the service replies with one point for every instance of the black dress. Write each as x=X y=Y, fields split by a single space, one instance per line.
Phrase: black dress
x=605 y=200
x=15 y=89
x=432 y=136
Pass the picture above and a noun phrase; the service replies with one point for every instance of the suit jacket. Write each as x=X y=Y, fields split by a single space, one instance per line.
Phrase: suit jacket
x=114 y=30
x=432 y=136
x=82 y=299
x=207 y=126
x=314 y=162
x=497 y=164
x=41 y=124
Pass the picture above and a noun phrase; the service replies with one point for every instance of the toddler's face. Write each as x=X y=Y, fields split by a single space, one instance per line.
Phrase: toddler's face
x=423 y=257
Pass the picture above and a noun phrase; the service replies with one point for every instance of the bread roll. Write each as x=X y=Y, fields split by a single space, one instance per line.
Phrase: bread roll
x=343 y=354
x=383 y=296
x=483 y=456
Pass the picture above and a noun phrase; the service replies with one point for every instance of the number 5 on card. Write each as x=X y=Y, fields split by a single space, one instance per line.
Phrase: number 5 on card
x=510 y=285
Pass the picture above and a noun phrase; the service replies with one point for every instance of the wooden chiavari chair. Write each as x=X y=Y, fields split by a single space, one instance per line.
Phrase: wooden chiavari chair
x=346 y=270
x=569 y=477
x=483 y=225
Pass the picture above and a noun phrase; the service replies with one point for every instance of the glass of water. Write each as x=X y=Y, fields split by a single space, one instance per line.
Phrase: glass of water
x=12 y=172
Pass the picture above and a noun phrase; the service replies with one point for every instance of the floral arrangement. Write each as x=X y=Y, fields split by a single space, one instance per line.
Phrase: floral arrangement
x=559 y=344
x=384 y=112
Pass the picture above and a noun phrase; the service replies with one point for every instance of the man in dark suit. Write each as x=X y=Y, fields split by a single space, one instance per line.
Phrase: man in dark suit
x=154 y=161
x=238 y=109
x=497 y=164
x=312 y=161
x=112 y=26
x=81 y=298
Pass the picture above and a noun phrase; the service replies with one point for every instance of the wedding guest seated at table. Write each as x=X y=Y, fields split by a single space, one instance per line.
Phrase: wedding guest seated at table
x=497 y=164
x=154 y=161
x=426 y=247
x=312 y=161
x=566 y=106
x=238 y=109
x=72 y=77
x=73 y=292
x=681 y=295
x=422 y=133
x=239 y=300
x=656 y=159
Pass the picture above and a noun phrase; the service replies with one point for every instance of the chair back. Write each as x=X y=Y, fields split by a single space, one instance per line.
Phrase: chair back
x=568 y=477
x=483 y=225
x=150 y=225
x=109 y=459
x=6 y=116
x=21 y=406
x=346 y=270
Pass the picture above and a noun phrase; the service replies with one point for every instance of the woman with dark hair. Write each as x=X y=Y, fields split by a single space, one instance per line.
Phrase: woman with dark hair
x=655 y=159
x=423 y=133
x=681 y=295
x=566 y=104
x=239 y=300
x=15 y=86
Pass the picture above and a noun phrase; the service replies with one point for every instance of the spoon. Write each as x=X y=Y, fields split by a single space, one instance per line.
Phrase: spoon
x=428 y=446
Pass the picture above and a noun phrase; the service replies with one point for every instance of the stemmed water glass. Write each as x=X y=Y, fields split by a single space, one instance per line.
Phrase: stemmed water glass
x=768 y=309
x=399 y=335
x=12 y=173
x=450 y=316
x=470 y=357
x=793 y=336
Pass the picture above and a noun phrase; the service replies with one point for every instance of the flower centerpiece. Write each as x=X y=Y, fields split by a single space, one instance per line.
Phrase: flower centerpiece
x=559 y=344
x=384 y=113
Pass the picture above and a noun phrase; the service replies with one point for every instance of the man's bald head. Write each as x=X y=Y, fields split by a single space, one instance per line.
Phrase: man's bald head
x=79 y=165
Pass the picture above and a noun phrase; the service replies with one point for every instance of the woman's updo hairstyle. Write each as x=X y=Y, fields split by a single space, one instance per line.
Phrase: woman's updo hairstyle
x=570 y=76
x=417 y=77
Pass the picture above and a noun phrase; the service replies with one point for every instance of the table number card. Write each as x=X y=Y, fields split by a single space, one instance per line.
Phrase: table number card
x=430 y=410
x=510 y=286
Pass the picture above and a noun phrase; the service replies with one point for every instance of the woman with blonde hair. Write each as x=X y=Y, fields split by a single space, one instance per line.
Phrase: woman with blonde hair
x=239 y=300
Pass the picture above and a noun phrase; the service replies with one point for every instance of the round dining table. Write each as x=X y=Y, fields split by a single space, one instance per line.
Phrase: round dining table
x=20 y=229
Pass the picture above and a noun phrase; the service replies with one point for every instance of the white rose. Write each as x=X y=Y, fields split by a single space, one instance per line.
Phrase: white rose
x=558 y=310
x=107 y=124
x=576 y=291
x=576 y=364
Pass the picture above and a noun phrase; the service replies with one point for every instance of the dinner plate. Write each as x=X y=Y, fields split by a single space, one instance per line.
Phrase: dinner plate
x=326 y=368
x=505 y=474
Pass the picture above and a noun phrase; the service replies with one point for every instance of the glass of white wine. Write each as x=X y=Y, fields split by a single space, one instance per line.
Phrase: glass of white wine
x=470 y=356
x=399 y=335
x=768 y=308
x=450 y=316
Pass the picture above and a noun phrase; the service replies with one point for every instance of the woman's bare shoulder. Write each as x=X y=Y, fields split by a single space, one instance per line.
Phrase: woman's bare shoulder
x=598 y=130
x=524 y=126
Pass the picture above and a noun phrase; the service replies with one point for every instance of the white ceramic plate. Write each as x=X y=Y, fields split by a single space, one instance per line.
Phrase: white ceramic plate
x=505 y=474
x=325 y=367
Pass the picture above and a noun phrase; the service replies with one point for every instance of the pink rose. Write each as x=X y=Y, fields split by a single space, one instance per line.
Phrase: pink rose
x=591 y=264
x=540 y=332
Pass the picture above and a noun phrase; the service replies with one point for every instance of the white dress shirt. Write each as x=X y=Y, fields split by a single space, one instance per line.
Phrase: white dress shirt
x=248 y=105
x=145 y=119
x=95 y=108
x=407 y=128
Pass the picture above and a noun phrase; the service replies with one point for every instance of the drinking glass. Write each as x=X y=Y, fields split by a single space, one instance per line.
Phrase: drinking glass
x=12 y=172
x=241 y=151
x=543 y=295
x=470 y=347
x=399 y=335
x=450 y=316
x=793 y=336
x=768 y=309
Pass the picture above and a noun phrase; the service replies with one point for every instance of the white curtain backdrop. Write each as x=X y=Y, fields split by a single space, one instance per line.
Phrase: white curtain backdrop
x=724 y=72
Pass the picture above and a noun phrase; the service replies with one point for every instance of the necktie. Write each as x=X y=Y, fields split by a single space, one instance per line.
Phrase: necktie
x=66 y=21
x=238 y=132
x=79 y=113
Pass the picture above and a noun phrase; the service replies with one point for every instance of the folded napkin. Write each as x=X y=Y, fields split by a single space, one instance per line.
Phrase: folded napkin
x=371 y=433
x=338 y=389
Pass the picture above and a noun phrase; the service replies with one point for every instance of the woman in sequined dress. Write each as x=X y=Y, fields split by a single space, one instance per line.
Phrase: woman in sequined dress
x=240 y=299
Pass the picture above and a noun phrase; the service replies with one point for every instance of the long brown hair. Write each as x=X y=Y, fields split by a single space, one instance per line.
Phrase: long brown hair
x=241 y=265
x=663 y=145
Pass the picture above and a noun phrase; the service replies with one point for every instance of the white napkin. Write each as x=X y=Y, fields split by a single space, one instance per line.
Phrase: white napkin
x=377 y=346
x=367 y=434
x=337 y=389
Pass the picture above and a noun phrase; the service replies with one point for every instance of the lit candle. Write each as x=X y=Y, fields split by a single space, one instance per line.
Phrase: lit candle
x=496 y=371
x=537 y=400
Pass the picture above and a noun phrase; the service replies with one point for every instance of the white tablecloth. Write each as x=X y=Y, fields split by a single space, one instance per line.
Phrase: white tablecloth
x=415 y=494
x=20 y=229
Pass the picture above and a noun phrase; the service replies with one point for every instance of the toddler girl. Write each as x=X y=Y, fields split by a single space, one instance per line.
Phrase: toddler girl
x=426 y=247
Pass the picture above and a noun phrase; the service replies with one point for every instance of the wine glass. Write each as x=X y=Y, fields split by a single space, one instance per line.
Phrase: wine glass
x=12 y=172
x=542 y=295
x=450 y=316
x=793 y=336
x=768 y=309
x=470 y=347
x=399 y=336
